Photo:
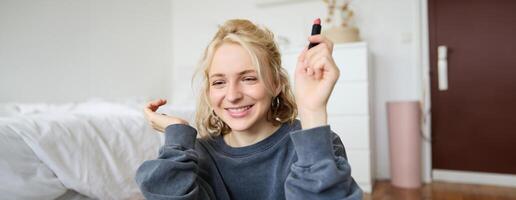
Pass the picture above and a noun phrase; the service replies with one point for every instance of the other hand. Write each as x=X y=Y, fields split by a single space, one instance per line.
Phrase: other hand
x=160 y=121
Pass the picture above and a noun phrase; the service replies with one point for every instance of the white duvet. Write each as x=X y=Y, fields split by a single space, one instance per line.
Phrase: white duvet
x=93 y=148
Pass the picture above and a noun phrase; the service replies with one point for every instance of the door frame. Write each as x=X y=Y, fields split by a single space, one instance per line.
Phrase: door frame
x=423 y=32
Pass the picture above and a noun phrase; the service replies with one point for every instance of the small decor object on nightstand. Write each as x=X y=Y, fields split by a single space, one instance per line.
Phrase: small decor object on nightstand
x=345 y=31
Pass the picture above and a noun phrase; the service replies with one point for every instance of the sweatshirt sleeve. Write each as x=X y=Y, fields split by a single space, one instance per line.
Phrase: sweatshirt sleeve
x=173 y=175
x=321 y=170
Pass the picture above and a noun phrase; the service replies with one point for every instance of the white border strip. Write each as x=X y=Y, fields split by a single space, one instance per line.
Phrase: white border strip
x=474 y=177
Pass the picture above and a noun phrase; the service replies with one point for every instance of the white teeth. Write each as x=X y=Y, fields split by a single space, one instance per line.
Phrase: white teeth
x=240 y=109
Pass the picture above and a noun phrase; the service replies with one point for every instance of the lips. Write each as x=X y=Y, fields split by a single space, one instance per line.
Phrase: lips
x=240 y=111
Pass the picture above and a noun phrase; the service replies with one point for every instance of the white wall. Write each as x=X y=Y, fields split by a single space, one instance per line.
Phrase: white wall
x=391 y=29
x=60 y=50
x=71 y=50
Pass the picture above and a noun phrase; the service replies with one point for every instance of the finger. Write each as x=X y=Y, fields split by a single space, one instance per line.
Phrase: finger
x=321 y=40
x=318 y=52
x=327 y=67
x=329 y=44
x=315 y=38
x=151 y=105
x=154 y=105
x=319 y=67
x=302 y=55
x=301 y=67
x=158 y=102
x=319 y=49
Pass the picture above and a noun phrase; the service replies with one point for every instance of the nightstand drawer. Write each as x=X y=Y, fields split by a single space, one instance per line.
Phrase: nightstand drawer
x=349 y=97
x=352 y=130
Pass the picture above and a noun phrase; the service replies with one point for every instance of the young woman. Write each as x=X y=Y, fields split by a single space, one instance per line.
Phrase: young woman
x=251 y=146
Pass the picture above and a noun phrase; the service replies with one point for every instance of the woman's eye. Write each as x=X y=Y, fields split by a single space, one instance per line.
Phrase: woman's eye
x=250 y=79
x=217 y=82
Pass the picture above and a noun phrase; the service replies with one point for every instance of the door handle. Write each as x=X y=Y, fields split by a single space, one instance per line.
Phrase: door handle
x=442 y=67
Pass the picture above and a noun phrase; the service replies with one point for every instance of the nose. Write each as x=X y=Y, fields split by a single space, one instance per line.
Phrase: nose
x=234 y=93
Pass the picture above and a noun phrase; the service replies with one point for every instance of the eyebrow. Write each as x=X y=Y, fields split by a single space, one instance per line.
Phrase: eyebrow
x=241 y=73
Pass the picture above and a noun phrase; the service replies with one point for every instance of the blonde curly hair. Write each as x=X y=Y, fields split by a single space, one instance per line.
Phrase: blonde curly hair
x=259 y=43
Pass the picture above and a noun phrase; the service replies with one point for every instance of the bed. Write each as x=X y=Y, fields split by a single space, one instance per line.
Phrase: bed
x=85 y=150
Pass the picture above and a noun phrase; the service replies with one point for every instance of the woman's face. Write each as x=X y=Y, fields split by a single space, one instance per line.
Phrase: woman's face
x=236 y=93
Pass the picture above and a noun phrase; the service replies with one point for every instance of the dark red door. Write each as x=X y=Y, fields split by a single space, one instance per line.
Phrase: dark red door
x=474 y=121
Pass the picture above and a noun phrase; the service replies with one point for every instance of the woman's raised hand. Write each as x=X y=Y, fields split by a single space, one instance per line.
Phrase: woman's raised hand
x=160 y=121
x=315 y=76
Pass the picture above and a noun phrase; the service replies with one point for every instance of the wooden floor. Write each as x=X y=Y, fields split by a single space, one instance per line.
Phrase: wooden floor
x=383 y=190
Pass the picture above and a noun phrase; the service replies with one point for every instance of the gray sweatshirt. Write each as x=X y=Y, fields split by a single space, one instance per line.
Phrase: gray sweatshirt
x=290 y=164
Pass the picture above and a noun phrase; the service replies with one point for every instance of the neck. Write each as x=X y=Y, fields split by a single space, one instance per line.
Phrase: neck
x=246 y=138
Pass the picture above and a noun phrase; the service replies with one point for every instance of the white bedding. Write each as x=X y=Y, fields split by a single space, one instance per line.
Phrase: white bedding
x=93 y=148
x=21 y=170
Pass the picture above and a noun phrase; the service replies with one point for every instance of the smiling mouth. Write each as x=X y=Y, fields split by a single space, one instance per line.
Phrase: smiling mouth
x=239 y=109
x=239 y=112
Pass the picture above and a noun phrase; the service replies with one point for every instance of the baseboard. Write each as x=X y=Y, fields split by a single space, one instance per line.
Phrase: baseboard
x=508 y=180
x=366 y=187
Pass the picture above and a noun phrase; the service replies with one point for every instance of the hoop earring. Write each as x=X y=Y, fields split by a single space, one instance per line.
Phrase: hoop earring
x=275 y=104
x=213 y=118
x=217 y=120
